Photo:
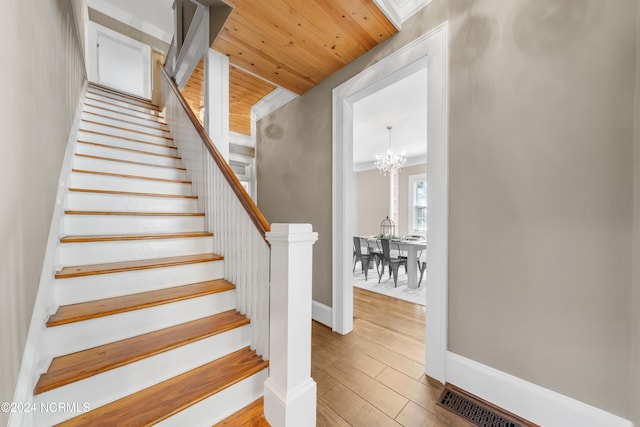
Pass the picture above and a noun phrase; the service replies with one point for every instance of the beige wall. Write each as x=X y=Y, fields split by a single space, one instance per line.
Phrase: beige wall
x=42 y=75
x=373 y=199
x=635 y=299
x=541 y=173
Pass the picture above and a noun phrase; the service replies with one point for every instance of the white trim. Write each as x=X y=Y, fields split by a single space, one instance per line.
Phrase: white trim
x=399 y=11
x=125 y=17
x=530 y=401
x=216 y=100
x=31 y=367
x=270 y=103
x=94 y=31
x=430 y=49
x=412 y=179
x=194 y=46
x=241 y=139
x=321 y=313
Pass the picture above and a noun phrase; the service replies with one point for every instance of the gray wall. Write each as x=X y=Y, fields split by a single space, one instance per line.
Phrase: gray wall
x=635 y=300
x=541 y=180
x=42 y=76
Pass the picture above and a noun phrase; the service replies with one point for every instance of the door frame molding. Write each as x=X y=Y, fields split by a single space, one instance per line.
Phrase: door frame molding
x=430 y=50
x=94 y=29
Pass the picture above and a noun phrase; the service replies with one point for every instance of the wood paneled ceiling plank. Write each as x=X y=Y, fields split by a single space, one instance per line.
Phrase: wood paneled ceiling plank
x=304 y=20
x=283 y=27
x=258 y=63
x=300 y=52
x=358 y=19
x=238 y=76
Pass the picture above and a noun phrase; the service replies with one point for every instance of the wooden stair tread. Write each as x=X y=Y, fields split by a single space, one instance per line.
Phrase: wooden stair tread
x=132 y=162
x=118 y=267
x=134 y=213
x=129 y=100
x=115 y=147
x=131 y=193
x=84 y=364
x=126 y=138
x=161 y=128
x=123 y=237
x=109 y=125
x=154 y=119
x=151 y=110
x=159 y=402
x=121 y=175
x=251 y=415
x=98 y=87
x=108 y=306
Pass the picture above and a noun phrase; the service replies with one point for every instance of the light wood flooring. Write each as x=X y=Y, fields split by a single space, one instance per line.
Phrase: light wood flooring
x=374 y=376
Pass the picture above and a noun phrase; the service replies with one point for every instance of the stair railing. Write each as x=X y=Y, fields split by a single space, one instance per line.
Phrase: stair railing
x=238 y=225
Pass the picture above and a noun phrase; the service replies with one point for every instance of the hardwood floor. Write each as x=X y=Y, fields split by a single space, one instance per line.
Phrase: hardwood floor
x=375 y=375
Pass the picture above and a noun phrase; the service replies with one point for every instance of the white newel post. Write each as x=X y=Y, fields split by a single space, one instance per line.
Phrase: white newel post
x=216 y=100
x=290 y=392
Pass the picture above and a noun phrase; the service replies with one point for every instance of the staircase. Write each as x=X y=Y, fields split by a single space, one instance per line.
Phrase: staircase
x=145 y=329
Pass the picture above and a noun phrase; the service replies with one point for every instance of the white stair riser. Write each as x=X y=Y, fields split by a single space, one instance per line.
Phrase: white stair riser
x=72 y=337
x=117 y=153
x=115 y=183
x=221 y=405
x=116 y=131
x=111 y=111
x=129 y=123
x=98 y=165
x=118 y=97
x=89 y=288
x=121 y=203
x=114 y=103
x=125 y=143
x=129 y=250
x=117 y=383
x=80 y=225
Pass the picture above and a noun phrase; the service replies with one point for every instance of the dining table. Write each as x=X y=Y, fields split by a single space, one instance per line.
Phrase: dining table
x=411 y=247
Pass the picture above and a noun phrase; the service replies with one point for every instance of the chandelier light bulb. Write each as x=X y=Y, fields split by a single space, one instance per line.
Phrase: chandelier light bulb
x=391 y=160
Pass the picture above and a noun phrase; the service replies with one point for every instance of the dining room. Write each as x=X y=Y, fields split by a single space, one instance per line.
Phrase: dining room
x=390 y=164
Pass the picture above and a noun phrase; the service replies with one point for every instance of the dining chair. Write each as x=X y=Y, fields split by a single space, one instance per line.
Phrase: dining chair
x=375 y=250
x=393 y=263
x=402 y=254
x=422 y=266
x=365 y=259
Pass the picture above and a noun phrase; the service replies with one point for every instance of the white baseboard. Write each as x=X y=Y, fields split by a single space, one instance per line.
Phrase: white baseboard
x=321 y=313
x=532 y=402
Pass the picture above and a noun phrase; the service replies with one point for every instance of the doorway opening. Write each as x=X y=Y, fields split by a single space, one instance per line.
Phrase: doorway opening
x=390 y=125
x=431 y=50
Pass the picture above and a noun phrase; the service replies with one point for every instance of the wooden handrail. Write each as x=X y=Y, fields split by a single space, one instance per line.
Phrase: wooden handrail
x=245 y=200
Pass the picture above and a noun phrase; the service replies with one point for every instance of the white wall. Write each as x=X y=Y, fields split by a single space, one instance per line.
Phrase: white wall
x=42 y=75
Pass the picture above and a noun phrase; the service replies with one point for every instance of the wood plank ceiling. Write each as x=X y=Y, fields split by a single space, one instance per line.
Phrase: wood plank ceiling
x=294 y=44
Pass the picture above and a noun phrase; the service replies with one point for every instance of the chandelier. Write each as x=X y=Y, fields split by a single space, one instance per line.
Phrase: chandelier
x=390 y=160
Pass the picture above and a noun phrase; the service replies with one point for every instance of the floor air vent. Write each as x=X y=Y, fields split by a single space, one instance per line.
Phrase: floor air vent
x=477 y=411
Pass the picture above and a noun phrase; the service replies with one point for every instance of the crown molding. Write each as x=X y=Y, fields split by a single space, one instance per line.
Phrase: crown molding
x=399 y=11
x=270 y=103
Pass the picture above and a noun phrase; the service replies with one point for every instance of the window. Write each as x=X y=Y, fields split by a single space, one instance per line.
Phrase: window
x=418 y=204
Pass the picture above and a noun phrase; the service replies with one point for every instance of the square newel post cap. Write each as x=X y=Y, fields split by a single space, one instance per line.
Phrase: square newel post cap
x=291 y=233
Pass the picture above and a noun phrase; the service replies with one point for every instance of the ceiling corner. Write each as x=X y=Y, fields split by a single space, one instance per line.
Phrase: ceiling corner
x=399 y=11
